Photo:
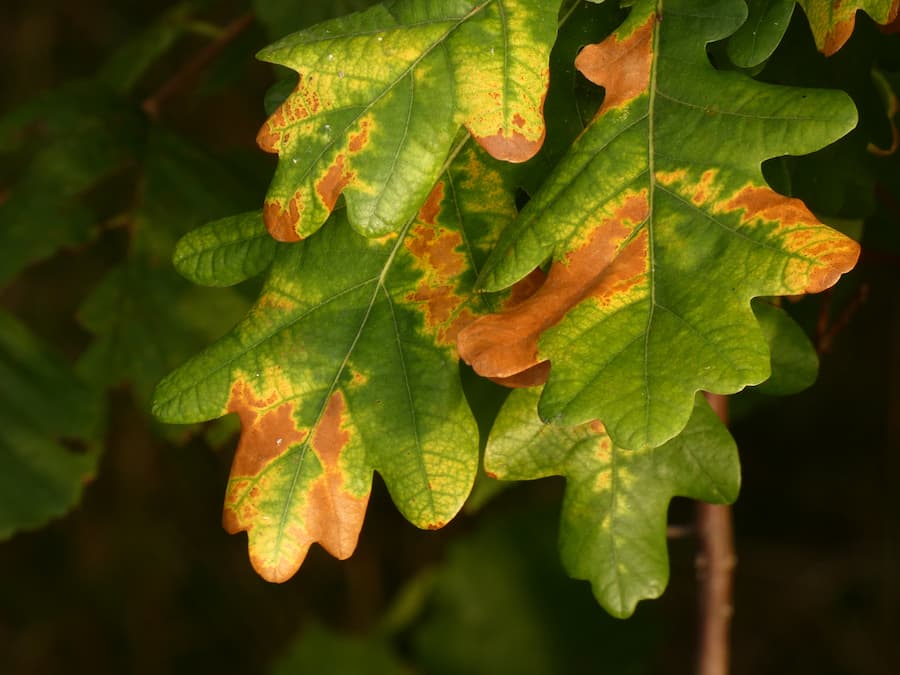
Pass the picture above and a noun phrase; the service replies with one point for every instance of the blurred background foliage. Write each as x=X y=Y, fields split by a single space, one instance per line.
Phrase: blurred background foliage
x=125 y=125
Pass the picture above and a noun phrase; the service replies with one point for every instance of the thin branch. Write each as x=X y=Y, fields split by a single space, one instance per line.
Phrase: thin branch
x=188 y=74
x=716 y=561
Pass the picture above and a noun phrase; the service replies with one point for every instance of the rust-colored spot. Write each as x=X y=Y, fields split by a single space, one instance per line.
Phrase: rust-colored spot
x=621 y=66
x=359 y=140
x=329 y=438
x=334 y=182
x=301 y=103
x=512 y=147
x=597 y=427
x=432 y=206
x=504 y=344
x=518 y=120
x=280 y=222
x=435 y=526
x=491 y=474
x=333 y=516
x=701 y=190
x=267 y=432
x=436 y=248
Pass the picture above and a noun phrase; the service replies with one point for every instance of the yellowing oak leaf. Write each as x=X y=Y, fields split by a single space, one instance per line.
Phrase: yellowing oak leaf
x=346 y=365
x=832 y=21
x=661 y=229
x=382 y=94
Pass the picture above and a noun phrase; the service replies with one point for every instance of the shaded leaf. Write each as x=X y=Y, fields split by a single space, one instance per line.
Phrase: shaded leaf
x=760 y=34
x=145 y=318
x=832 y=21
x=613 y=529
x=795 y=363
x=381 y=96
x=320 y=649
x=82 y=136
x=44 y=406
x=347 y=365
x=661 y=229
x=501 y=603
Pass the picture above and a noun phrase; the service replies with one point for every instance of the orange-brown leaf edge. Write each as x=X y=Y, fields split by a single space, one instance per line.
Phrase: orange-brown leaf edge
x=504 y=345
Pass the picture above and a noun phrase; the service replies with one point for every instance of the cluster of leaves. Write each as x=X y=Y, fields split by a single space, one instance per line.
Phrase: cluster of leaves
x=567 y=197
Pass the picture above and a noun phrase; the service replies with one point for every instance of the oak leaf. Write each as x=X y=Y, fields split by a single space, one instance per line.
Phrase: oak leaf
x=661 y=229
x=347 y=365
x=381 y=96
x=614 y=514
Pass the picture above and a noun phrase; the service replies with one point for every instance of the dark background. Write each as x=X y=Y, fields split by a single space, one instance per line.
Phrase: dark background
x=141 y=578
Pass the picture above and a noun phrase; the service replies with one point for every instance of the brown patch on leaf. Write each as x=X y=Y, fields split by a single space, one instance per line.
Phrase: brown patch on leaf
x=622 y=67
x=827 y=254
x=333 y=517
x=358 y=141
x=432 y=207
x=280 y=222
x=838 y=35
x=301 y=103
x=267 y=432
x=512 y=147
x=518 y=120
x=435 y=248
x=334 y=182
x=505 y=344
x=701 y=190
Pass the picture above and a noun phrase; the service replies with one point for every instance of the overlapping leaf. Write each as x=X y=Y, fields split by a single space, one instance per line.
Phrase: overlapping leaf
x=347 y=364
x=613 y=529
x=43 y=406
x=832 y=21
x=661 y=229
x=381 y=95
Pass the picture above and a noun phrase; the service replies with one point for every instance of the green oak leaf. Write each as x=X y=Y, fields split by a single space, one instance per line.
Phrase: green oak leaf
x=381 y=96
x=43 y=405
x=225 y=252
x=661 y=230
x=613 y=527
x=347 y=365
x=795 y=363
x=761 y=33
x=832 y=21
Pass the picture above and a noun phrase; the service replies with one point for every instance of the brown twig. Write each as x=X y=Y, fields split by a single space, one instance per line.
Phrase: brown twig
x=716 y=561
x=186 y=76
x=827 y=330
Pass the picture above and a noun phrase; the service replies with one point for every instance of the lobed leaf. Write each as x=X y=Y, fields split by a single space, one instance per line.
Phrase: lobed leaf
x=832 y=21
x=661 y=229
x=760 y=34
x=347 y=365
x=613 y=528
x=381 y=96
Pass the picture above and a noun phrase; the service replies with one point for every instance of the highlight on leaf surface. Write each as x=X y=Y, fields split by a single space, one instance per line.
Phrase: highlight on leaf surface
x=347 y=365
x=832 y=21
x=614 y=514
x=661 y=229
x=381 y=96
